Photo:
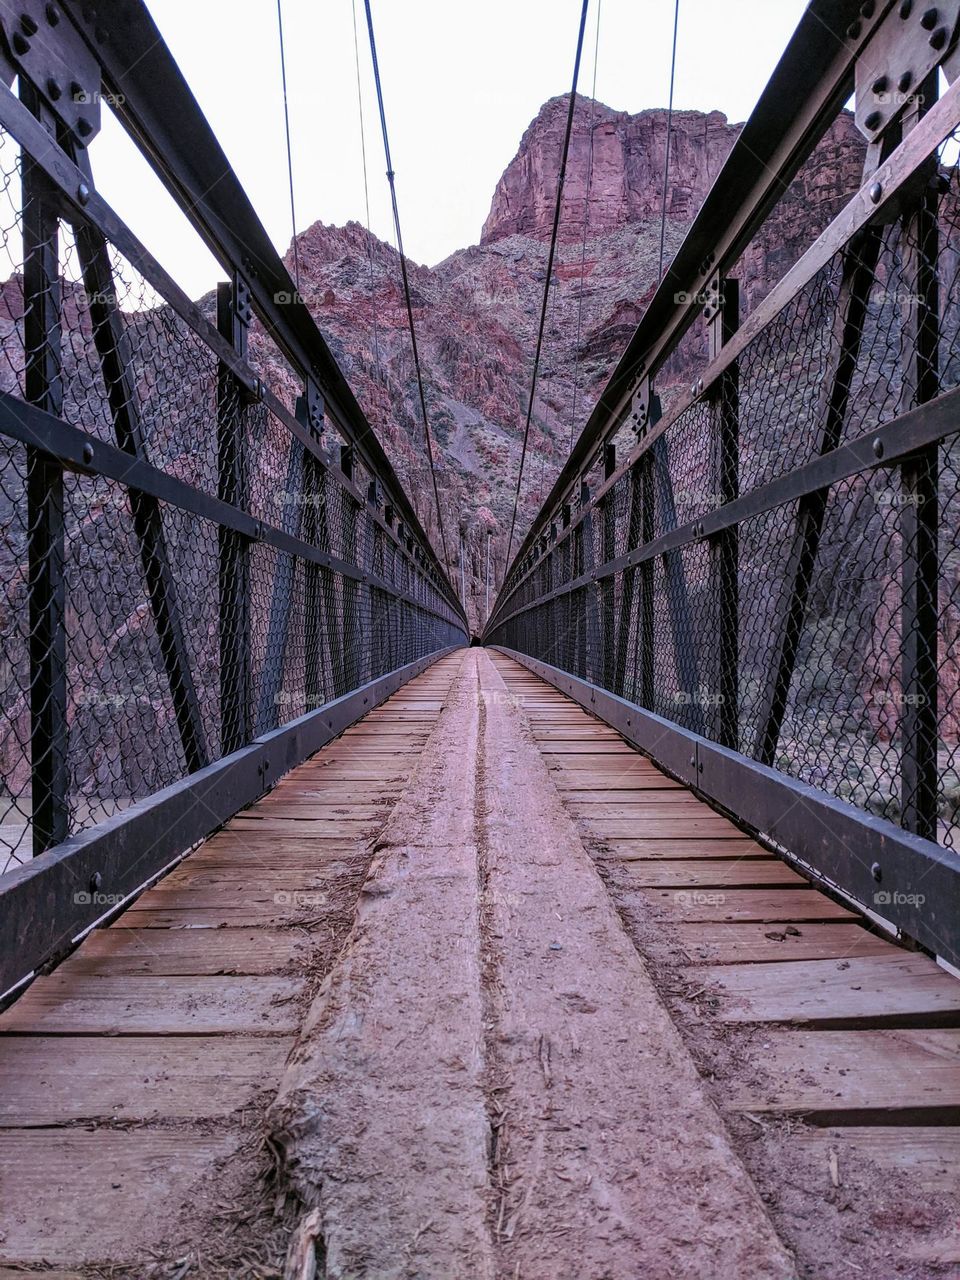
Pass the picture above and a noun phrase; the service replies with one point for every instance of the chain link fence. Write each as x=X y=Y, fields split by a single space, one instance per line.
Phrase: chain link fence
x=264 y=572
x=808 y=624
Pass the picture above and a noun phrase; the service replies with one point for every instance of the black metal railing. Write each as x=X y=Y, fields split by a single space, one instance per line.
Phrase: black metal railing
x=764 y=593
x=208 y=565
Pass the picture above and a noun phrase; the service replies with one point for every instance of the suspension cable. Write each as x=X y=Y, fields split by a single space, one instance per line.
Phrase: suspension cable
x=586 y=220
x=366 y=186
x=286 y=122
x=666 y=162
x=546 y=289
x=406 y=280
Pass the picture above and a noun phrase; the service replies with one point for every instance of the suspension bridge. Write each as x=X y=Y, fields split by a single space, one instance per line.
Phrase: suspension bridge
x=618 y=939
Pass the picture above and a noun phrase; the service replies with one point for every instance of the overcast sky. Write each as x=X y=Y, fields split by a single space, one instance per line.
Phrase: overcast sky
x=461 y=81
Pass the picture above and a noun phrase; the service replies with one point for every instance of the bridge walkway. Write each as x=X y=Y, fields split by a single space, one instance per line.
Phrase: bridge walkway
x=491 y=995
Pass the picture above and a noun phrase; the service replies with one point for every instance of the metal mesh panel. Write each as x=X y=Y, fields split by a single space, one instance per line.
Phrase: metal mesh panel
x=155 y=630
x=815 y=633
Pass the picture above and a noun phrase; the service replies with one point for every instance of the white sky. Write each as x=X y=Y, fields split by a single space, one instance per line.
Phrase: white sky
x=461 y=83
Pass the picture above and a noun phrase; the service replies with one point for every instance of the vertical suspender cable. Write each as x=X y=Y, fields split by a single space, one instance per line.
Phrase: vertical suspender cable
x=666 y=162
x=586 y=220
x=286 y=122
x=546 y=288
x=366 y=186
x=406 y=282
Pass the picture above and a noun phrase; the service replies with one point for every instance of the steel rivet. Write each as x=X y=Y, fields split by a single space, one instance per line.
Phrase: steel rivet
x=876 y=191
x=853 y=31
x=878 y=447
x=881 y=84
x=939 y=38
x=873 y=121
x=693 y=762
x=905 y=81
x=53 y=90
x=96 y=880
x=21 y=45
x=928 y=19
x=906 y=9
x=53 y=14
x=88 y=453
x=29 y=25
x=877 y=872
x=867 y=8
x=83 y=193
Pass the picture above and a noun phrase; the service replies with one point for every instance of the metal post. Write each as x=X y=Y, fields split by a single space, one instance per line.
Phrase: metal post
x=725 y=548
x=486 y=589
x=607 y=662
x=45 y=523
x=233 y=318
x=350 y=587
x=920 y=475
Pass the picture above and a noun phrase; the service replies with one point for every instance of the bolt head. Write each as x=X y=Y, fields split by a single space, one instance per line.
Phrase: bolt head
x=876 y=192
x=878 y=447
x=905 y=81
x=877 y=872
x=939 y=39
x=881 y=84
x=96 y=880
x=906 y=9
x=53 y=90
x=873 y=121
x=928 y=19
x=53 y=14
x=853 y=31
x=88 y=453
x=83 y=193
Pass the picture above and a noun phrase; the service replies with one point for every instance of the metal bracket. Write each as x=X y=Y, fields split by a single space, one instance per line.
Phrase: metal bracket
x=315 y=409
x=42 y=43
x=912 y=40
x=645 y=410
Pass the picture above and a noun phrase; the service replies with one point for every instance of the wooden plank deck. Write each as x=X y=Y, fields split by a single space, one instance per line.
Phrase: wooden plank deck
x=178 y=1019
x=767 y=950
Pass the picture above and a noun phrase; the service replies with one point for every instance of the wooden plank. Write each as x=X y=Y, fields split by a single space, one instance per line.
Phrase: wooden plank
x=75 y=1004
x=122 y=949
x=900 y=989
x=791 y=905
x=725 y=846
x=79 y=1198
x=736 y=943
x=46 y=1080
x=705 y=824
x=597 y=786
x=651 y=804
x=713 y=873
x=856 y=1076
x=929 y=1156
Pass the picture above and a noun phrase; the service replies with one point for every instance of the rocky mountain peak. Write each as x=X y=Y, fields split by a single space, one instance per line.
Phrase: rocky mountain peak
x=624 y=172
